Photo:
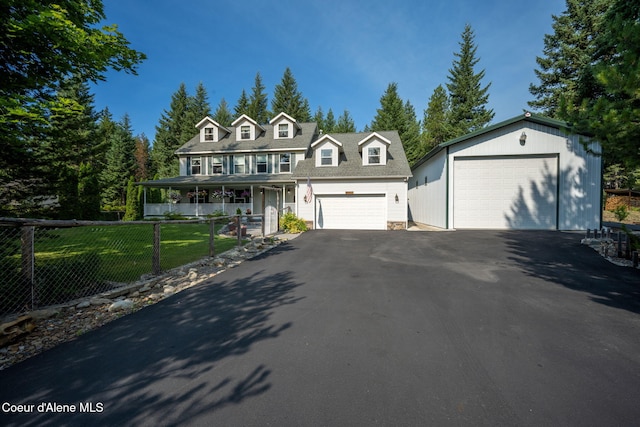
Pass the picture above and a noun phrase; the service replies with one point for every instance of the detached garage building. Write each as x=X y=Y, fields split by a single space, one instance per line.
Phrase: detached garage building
x=525 y=173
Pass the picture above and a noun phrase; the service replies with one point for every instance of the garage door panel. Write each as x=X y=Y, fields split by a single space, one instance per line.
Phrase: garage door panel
x=351 y=212
x=505 y=192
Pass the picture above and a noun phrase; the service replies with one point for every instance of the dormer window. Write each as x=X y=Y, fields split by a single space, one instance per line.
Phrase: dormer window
x=284 y=126
x=374 y=149
x=245 y=132
x=326 y=157
x=374 y=155
x=211 y=131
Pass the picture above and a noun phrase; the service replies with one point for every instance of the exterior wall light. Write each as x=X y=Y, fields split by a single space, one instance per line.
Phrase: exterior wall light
x=397 y=199
x=523 y=138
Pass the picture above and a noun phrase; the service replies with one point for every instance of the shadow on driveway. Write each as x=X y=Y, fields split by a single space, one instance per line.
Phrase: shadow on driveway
x=543 y=255
x=156 y=366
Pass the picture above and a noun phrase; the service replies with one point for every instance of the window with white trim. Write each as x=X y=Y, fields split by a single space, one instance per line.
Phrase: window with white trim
x=326 y=157
x=283 y=130
x=261 y=163
x=373 y=155
x=245 y=132
x=285 y=162
x=195 y=166
x=238 y=164
x=208 y=134
x=216 y=165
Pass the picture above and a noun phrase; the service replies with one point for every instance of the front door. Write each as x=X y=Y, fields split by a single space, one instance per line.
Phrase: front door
x=271 y=198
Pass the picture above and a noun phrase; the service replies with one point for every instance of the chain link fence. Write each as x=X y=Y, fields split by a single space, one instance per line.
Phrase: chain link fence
x=44 y=263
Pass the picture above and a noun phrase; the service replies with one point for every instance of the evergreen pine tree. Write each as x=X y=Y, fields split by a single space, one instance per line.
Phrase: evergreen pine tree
x=258 y=102
x=197 y=109
x=120 y=164
x=169 y=134
x=242 y=106
x=566 y=52
x=318 y=118
x=289 y=100
x=222 y=114
x=436 y=125
x=608 y=99
x=88 y=192
x=410 y=135
x=329 y=122
x=345 y=123
x=468 y=99
x=132 y=209
x=71 y=141
x=391 y=114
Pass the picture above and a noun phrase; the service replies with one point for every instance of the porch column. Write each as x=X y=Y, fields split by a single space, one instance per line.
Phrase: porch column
x=197 y=212
x=223 y=209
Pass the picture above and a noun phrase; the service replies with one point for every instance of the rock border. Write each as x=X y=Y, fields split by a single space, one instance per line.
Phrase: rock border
x=51 y=326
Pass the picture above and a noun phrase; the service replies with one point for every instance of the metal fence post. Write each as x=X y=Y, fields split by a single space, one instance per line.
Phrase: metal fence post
x=155 y=263
x=28 y=261
x=212 y=233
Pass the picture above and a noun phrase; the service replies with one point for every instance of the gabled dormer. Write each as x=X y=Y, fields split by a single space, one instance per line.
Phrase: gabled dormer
x=327 y=151
x=374 y=149
x=247 y=129
x=211 y=131
x=284 y=126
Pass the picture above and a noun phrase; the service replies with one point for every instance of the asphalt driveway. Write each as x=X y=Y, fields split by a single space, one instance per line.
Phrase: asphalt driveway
x=363 y=328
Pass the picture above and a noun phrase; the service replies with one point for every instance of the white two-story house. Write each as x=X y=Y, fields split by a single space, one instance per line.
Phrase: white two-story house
x=354 y=180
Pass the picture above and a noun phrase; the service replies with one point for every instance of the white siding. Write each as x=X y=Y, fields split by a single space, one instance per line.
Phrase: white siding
x=427 y=203
x=578 y=174
x=395 y=211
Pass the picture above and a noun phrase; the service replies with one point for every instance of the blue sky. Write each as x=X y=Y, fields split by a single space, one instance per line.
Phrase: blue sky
x=343 y=53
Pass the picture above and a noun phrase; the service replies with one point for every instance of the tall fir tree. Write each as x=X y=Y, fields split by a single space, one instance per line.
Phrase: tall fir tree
x=467 y=96
x=169 y=134
x=607 y=103
x=345 y=123
x=120 y=164
x=566 y=52
x=88 y=192
x=242 y=106
x=318 y=118
x=391 y=114
x=132 y=209
x=223 y=115
x=436 y=126
x=288 y=99
x=395 y=114
x=410 y=135
x=197 y=109
x=258 y=102
x=329 y=122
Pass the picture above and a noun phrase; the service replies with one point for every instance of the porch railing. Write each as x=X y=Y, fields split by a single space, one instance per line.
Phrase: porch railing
x=194 y=209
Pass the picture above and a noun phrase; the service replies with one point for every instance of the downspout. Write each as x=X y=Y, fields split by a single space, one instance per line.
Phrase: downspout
x=446 y=212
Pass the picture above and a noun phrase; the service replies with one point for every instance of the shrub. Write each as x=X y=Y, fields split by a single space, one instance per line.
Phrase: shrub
x=173 y=216
x=290 y=223
x=621 y=212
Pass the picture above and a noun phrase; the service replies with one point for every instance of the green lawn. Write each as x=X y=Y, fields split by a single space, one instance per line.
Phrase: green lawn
x=124 y=252
x=79 y=261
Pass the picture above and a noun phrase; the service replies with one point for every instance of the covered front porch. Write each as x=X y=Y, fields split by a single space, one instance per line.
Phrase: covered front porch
x=202 y=199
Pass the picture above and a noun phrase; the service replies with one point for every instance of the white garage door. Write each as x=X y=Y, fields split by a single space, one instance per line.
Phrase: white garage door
x=351 y=212
x=505 y=192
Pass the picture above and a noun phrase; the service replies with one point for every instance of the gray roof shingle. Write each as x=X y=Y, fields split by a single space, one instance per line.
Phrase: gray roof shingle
x=265 y=141
x=350 y=163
